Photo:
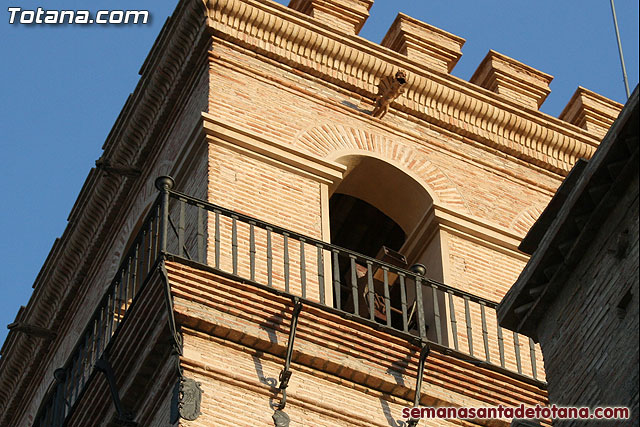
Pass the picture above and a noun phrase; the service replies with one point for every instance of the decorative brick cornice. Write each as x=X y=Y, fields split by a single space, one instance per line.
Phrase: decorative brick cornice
x=358 y=65
x=591 y=111
x=99 y=201
x=435 y=48
x=512 y=79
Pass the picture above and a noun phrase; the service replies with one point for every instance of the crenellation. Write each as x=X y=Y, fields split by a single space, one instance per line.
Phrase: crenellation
x=345 y=15
x=590 y=111
x=435 y=48
x=512 y=79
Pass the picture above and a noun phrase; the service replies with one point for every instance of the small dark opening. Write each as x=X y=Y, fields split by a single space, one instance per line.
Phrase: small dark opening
x=361 y=227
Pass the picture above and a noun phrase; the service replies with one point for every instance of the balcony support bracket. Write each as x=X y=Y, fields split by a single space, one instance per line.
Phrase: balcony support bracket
x=124 y=418
x=280 y=418
x=173 y=329
x=424 y=353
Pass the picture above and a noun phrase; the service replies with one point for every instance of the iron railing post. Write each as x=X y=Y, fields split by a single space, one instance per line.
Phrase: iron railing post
x=164 y=184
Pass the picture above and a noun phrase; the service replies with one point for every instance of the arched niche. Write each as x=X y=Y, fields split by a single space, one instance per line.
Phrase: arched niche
x=378 y=204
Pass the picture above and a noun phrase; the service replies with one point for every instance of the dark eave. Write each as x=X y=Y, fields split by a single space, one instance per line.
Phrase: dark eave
x=569 y=224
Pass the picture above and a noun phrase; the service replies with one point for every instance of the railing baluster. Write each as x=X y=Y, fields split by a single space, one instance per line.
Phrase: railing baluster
x=200 y=233
x=86 y=363
x=303 y=270
x=501 y=346
x=387 y=298
x=110 y=310
x=403 y=303
x=336 y=280
x=150 y=247
x=181 y=228
x=142 y=259
x=126 y=287
x=269 y=259
x=422 y=326
x=532 y=355
x=234 y=244
x=252 y=251
x=132 y=291
x=73 y=381
x=371 y=294
x=454 y=324
x=321 y=273
x=122 y=287
x=97 y=336
x=354 y=285
x=467 y=316
x=57 y=400
x=94 y=344
x=436 y=313
x=485 y=332
x=516 y=347
x=217 y=240
x=286 y=260
x=158 y=231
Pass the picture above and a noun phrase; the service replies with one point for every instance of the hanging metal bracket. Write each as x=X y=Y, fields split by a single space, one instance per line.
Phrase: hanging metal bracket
x=173 y=329
x=285 y=375
x=124 y=418
x=424 y=353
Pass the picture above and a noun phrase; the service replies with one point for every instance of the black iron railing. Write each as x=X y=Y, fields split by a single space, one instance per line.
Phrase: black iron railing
x=110 y=313
x=397 y=299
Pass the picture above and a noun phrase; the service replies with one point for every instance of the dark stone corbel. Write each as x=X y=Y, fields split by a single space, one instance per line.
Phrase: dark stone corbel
x=117 y=168
x=389 y=88
x=32 y=330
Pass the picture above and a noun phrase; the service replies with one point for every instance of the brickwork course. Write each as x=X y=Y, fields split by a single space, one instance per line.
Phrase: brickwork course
x=262 y=114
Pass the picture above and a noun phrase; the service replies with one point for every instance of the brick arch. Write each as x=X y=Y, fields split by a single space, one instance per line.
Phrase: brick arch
x=525 y=219
x=334 y=141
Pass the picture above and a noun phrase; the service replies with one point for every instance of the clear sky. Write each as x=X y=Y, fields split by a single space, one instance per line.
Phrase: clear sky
x=62 y=88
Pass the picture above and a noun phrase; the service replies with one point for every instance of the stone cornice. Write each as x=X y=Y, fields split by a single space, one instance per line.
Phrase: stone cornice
x=99 y=199
x=358 y=65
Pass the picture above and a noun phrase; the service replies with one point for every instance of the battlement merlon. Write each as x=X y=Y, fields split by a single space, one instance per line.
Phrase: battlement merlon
x=512 y=79
x=435 y=48
x=347 y=15
x=591 y=111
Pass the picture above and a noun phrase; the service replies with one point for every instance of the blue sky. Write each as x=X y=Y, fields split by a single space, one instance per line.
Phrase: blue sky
x=62 y=87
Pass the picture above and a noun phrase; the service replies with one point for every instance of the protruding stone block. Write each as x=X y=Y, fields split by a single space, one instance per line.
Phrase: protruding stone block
x=512 y=79
x=591 y=111
x=434 y=47
x=346 y=15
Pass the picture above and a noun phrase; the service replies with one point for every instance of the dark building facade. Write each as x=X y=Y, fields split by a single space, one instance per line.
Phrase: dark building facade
x=578 y=295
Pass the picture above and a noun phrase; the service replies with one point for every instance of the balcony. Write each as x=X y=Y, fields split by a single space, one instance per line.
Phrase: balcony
x=379 y=293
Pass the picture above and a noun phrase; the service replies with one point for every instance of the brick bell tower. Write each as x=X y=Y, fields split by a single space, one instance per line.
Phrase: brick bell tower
x=292 y=225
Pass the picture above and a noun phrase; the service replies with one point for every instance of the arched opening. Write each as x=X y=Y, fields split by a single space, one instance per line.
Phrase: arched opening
x=376 y=210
